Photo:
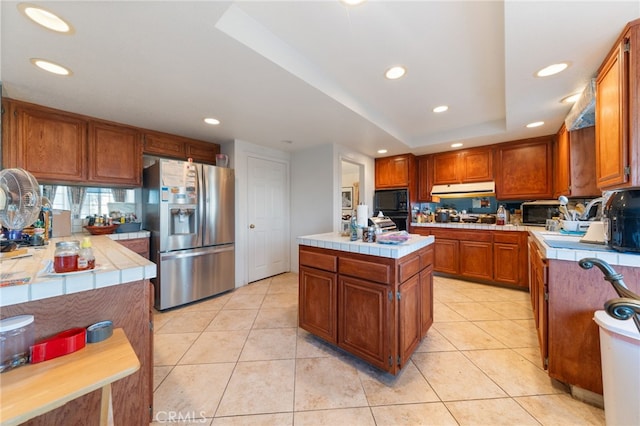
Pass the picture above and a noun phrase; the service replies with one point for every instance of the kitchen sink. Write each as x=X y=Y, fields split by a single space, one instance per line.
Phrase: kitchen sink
x=549 y=235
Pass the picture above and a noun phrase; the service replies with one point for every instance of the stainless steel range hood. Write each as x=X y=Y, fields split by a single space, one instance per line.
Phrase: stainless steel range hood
x=465 y=190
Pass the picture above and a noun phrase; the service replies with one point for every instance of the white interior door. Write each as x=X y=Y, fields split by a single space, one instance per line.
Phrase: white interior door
x=268 y=213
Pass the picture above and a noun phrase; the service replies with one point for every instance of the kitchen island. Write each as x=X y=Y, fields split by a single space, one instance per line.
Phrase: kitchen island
x=118 y=289
x=374 y=301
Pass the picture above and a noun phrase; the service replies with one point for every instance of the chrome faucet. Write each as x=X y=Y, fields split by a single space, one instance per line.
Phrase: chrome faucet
x=585 y=214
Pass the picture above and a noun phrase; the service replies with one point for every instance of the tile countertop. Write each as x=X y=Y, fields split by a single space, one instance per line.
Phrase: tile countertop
x=115 y=264
x=544 y=238
x=486 y=226
x=335 y=241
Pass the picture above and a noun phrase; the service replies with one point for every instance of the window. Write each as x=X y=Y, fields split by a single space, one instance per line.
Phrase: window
x=94 y=203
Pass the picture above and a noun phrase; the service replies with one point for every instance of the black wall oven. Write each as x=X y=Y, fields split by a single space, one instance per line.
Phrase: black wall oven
x=394 y=203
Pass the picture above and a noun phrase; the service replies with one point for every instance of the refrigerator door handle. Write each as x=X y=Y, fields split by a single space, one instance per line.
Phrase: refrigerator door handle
x=168 y=256
x=203 y=204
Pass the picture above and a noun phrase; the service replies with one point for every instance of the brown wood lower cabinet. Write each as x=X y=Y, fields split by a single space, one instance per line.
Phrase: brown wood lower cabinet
x=564 y=298
x=138 y=245
x=376 y=308
x=539 y=293
x=574 y=342
x=318 y=298
x=482 y=255
x=476 y=260
x=127 y=306
x=364 y=316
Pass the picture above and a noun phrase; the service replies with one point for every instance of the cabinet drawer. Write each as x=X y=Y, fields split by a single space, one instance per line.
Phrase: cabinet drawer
x=483 y=236
x=443 y=233
x=426 y=257
x=380 y=273
x=408 y=268
x=507 y=237
x=322 y=261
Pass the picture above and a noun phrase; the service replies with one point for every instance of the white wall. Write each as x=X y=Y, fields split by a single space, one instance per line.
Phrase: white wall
x=239 y=152
x=315 y=182
x=312 y=194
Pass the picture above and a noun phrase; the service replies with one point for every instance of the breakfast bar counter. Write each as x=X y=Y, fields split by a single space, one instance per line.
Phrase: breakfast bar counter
x=118 y=289
x=373 y=300
x=31 y=277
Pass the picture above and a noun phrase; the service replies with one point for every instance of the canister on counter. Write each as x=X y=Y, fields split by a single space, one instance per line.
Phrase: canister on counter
x=17 y=334
x=65 y=258
x=371 y=234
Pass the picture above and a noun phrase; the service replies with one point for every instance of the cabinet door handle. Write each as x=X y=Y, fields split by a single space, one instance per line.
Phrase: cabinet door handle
x=252 y=226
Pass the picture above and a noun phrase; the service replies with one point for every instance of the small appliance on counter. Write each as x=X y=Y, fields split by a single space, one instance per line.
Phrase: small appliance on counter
x=382 y=224
x=537 y=212
x=623 y=220
x=595 y=233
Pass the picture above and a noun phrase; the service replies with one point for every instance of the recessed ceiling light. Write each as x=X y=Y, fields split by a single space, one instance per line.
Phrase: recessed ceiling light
x=535 y=124
x=456 y=145
x=212 y=121
x=382 y=151
x=552 y=69
x=396 y=72
x=571 y=99
x=441 y=108
x=352 y=2
x=45 y=18
x=50 y=66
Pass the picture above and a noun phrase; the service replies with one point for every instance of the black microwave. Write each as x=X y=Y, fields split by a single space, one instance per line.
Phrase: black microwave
x=537 y=212
x=391 y=200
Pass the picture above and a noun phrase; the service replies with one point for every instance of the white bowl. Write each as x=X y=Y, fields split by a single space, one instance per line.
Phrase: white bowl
x=570 y=225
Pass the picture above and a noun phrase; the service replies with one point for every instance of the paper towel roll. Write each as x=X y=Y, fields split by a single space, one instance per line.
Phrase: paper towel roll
x=362 y=215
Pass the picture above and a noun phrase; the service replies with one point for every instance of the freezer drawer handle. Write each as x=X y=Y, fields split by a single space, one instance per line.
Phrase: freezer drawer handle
x=183 y=255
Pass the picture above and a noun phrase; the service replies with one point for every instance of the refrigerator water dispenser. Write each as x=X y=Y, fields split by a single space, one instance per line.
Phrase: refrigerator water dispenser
x=183 y=221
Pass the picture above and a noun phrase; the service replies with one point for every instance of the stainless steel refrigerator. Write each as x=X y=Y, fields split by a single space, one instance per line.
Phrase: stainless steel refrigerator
x=189 y=210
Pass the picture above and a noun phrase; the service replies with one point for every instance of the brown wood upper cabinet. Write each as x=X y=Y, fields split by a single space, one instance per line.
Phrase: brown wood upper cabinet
x=114 y=154
x=574 y=171
x=473 y=165
x=395 y=172
x=50 y=144
x=424 y=178
x=618 y=113
x=166 y=145
x=524 y=169
x=65 y=148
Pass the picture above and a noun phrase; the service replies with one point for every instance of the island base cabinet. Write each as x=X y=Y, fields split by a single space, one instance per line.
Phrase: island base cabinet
x=127 y=306
x=426 y=299
x=364 y=321
x=410 y=322
x=317 y=304
x=376 y=308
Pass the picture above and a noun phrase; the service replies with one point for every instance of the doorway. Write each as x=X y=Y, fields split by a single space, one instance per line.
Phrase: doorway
x=351 y=190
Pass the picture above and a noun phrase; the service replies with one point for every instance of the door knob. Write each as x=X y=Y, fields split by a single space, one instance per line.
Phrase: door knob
x=252 y=226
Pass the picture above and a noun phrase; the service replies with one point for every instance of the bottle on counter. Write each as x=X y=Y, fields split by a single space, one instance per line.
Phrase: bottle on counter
x=354 y=228
x=86 y=260
x=501 y=216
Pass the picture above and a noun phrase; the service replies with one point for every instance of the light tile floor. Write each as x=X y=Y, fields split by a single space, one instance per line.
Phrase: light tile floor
x=240 y=359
